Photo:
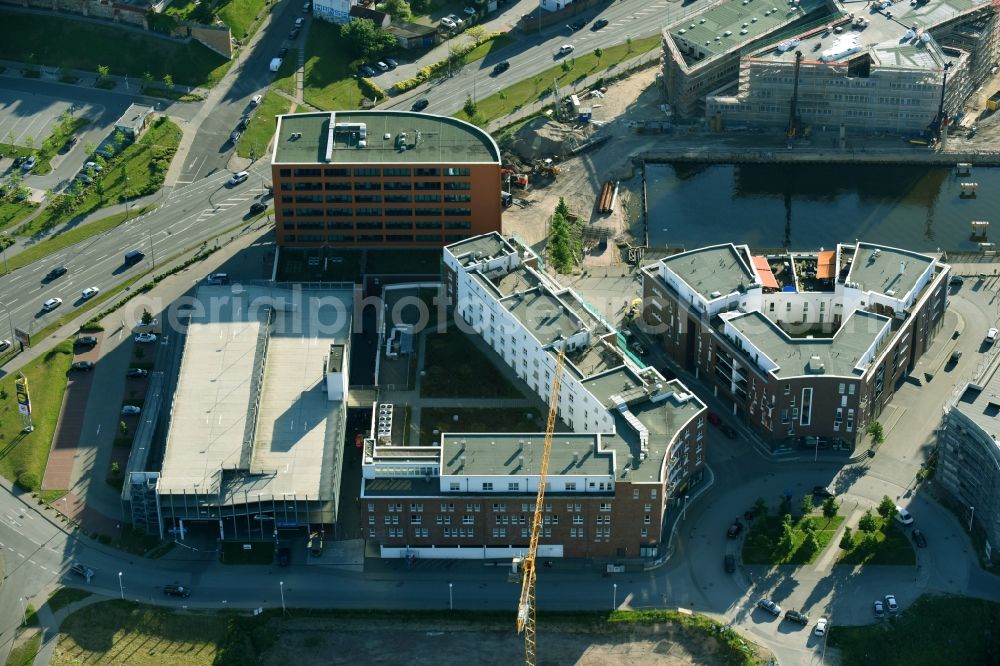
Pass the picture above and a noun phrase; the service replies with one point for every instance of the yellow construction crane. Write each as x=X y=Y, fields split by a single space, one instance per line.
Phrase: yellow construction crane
x=526 y=606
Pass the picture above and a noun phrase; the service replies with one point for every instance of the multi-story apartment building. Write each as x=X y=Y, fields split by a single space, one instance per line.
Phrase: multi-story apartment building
x=969 y=456
x=635 y=440
x=807 y=346
x=382 y=178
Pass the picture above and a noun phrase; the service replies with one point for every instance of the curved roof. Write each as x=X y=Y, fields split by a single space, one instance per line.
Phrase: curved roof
x=306 y=138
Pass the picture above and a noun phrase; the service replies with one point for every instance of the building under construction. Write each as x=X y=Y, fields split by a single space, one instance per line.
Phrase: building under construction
x=905 y=67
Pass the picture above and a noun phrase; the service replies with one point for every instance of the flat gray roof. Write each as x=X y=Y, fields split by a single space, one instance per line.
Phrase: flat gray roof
x=290 y=448
x=839 y=354
x=891 y=269
x=543 y=314
x=521 y=454
x=305 y=138
x=719 y=268
x=473 y=249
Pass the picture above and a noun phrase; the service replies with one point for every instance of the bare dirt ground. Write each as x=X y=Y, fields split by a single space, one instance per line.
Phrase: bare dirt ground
x=315 y=643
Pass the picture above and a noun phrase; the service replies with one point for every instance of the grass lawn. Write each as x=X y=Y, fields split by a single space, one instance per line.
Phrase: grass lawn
x=888 y=545
x=260 y=552
x=12 y=212
x=120 y=632
x=762 y=547
x=935 y=630
x=334 y=265
x=55 y=141
x=66 y=42
x=23 y=455
x=65 y=596
x=259 y=132
x=476 y=377
x=403 y=262
x=327 y=82
x=69 y=237
x=138 y=170
x=24 y=654
x=485 y=49
x=539 y=87
x=285 y=77
x=508 y=419
x=240 y=15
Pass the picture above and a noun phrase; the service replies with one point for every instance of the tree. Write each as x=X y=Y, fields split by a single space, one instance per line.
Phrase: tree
x=811 y=544
x=847 y=541
x=89 y=147
x=560 y=250
x=877 y=432
x=628 y=42
x=598 y=53
x=123 y=427
x=562 y=208
x=147 y=317
x=168 y=81
x=469 y=107
x=760 y=508
x=476 y=33
x=363 y=38
x=886 y=508
x=868 y=524
x=807 y=525
x=565 y=66
x=786 y=541
x=103 y=71
x=116 y=469
x=398 y=9
x=829 y=507
x=807 y=505
x=119 y=138
x=29 y=142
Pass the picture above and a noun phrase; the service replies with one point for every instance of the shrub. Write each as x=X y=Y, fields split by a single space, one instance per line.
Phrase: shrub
x=371 y=89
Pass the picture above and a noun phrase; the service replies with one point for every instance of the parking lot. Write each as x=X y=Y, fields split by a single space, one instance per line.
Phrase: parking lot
x=23 y=115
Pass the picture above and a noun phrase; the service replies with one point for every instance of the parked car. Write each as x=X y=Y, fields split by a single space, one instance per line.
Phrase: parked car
x=956 y=280
x=903 y=516
x=820 y=629
x=86 y=341
x=238 y=178
x=89 y=292
x=796 y=616
x=919 y=539
x=579 y=25
x=822 y=491
x=82 y=365
x=257 y=207
x=82 y=570
x=879 y=608
x=457 y=20
x=293 y=34
x=84 y=178
x=392 y=63
x=131 y=410
x=145 y=337
x=734 y=530
x=68 y=146
x=728 y=430
x=382 y=66
x=136 y=372
x=282 y=52
x=366 y=70
x=28 y=164
x=51 y=304
x=284 y=556
x=771 y=607
x=500 y=67
x=890 y=602
x=470 y=11
x=56 y=272
x=175 y=590
x=565 y=49
x=234 y=136
x=306 y=8
x=729 y=562
x=991 y=335
x=217 y=278
x=448 y=23
x=4 y=345
x=637 y=348
x=955 y=356
x=299 y=22
x=92 y=166
x=598 y=24
x=255 y=100
x=420 y=104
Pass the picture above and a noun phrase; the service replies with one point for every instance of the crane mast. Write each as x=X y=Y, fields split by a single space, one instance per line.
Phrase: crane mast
x=526 y=606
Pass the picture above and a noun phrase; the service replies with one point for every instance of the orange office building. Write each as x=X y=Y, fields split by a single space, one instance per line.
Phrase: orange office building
x=383 y=179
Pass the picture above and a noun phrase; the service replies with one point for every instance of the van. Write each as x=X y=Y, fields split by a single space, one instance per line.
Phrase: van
x=133 y=257
x=218 y=278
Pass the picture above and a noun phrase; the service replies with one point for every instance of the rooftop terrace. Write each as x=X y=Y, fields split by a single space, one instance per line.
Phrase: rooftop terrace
x=335 y=137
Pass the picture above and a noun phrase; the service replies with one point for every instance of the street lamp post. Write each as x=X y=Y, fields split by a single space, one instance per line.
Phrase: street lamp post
x=121 y=588
x=614 y=596
x=972 y=512
x=24 y=611
x=281 y=586
x=684 y=509
x=451 y=599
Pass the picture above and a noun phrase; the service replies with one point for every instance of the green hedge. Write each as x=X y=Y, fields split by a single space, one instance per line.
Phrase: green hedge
x=371 y=89
x=436 y=68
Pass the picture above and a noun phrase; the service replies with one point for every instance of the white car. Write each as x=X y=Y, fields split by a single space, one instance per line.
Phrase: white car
x=89 y=292
x=448 y=23
x=238 y=178
x=255 y=100
x=991 y=335
x=903 y=516
x=51 y=304
x=145 y=337
x=890 y=602
x=4 y=345
x=456 y=19
x=381 y=65
x=820 y=629
x=93 y=165
x=130 y=409
x=470 y=11
x=566 y=48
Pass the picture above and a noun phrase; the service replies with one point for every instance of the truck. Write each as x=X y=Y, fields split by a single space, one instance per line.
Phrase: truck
x=275 y=64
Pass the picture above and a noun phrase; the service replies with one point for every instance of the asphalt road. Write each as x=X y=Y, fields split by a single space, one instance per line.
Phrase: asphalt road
x=532 y=54
x=187 y=218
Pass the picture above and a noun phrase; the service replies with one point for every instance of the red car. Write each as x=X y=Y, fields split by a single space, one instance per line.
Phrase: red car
x=714 y=419
x=359 y=441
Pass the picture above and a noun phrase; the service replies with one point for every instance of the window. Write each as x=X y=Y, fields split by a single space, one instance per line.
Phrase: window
x=366 y=185
x=468 y=520
x=577 y=519
x=788 y=389
x=366 y=171
x=455 y=486
x=644 y=532
x=850 y=420
x=524 y=532
x=306 y=173
x=458 y=185
x=371 y=520
x=416 y=519
x=426 y=171
x=399 y=171
x=850 y=389
x=513 y=486
x=499 y=532
x=840 y=389
x=571 y=485
x=806 y=406
x=652 y=493
x=635 y=493
x=605 y=506
x=499 y=508
x=419 y=508
x=371 y=507
x=456 y=171
x=646 y=520
x=487 y=485
x=371 y=532
x=648 y=508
